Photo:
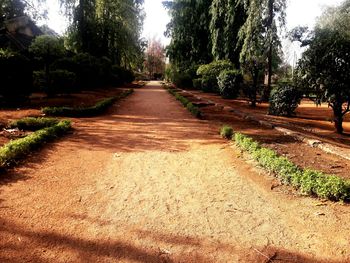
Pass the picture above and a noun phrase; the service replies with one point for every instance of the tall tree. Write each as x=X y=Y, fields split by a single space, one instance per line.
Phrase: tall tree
x=259 y=36
x=227 y=17
x=107 y=28
x=189 y=32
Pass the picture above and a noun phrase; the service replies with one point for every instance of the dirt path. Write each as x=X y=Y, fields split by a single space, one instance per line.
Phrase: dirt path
x=149 y=183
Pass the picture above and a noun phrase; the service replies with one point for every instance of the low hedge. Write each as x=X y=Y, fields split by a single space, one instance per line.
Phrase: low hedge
x=33 y=124
x=11 y=152
x=97 y=109
x=308 y=181
x=186 y=103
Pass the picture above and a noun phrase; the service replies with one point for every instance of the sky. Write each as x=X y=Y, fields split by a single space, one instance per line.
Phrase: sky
x=299 y=12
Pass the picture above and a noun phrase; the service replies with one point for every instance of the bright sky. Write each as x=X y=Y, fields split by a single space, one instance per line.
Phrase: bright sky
x=299 y=12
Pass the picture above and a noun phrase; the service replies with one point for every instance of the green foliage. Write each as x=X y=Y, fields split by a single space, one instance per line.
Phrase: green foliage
x=307 y=181
x=324 y=68
x=107 y=28
x=97 y=109
x=181 y=77
x=16 y=77
x=33 y=124
x=284 y=100
x=62 y=81
x=47 y=48
x=226 y=132
x=227 y=17
x=121 y=75
x=189 y=32
x=186 y=103
x=210 y=73
x=11 y=152
x=229 y=83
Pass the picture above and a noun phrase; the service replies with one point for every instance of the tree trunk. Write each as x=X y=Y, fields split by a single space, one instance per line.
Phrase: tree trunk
x=267 y=90
x=255 y=88
x=338 y=118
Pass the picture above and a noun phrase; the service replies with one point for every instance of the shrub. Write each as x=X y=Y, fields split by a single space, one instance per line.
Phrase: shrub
x=284 y=100
x=210 y=72
x=33 y=124
x=98 y=108
x=39 y=80
x=62 y=81
x=197 y=83
x=307 y=181
x=16 y=77
x=11 y=152
x=226 y=132
x=229 y=83
x=121 y=75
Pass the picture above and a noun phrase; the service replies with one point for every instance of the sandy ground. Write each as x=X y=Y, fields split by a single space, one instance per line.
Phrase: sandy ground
x=149 y=183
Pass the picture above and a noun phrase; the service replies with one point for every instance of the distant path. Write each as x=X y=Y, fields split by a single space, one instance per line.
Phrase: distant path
x=149 y=183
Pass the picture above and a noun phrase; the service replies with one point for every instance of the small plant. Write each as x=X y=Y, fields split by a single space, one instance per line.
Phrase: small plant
x=307 y=181
x=197 y=83
x=226 y=132
x=284 y=100
x=229 y=83
x=33 y=124
x=97 y=109
x=11 y=152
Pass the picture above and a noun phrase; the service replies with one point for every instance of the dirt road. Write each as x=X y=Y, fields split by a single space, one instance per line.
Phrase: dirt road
x=149 y=183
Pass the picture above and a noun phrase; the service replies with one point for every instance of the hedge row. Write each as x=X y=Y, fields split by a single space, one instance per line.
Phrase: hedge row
x=97 y=109
x=33 y=124
x=11 y=152
x=308 y=181
x=186 y=103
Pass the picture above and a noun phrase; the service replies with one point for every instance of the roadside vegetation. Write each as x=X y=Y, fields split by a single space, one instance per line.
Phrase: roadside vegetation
x=186 y=103
x=308 y=181
x=236 y=51
x=97 y=109
x=49 y=130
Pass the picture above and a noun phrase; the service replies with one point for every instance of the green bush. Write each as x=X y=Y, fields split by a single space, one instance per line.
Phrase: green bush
x=226 y=132
x=210 y=73
x=284 y=99
x=33 y=124
x=62 y=81
x=16 y=76
x=229 y=83
x=197 y=83
x=39 y=80
x=11 y=152
x=97 y=109
x=307 y=181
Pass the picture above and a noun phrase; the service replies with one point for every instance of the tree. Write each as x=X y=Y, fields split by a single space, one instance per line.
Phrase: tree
x=109 y=28
x=155 y=58
x=189 y=31
x=47 y=48
x=227 y=17
x=325 y=65
x=259 y=38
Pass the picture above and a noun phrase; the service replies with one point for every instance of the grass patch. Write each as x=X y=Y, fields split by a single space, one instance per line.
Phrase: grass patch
x=310 y=182
x=186 y=103
x=33 y=124
x=226 y=132
x=99 y=108
x=11 y=152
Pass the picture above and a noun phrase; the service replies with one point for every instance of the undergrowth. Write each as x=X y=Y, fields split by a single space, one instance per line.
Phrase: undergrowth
x=310 y=182
x=11 y=152
x=186 y=103
x=97 y=109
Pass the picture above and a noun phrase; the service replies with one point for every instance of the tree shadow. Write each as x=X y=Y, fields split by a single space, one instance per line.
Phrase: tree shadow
x=17 y=243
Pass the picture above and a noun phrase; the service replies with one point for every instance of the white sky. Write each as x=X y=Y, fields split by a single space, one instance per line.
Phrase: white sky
x=299 y=12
